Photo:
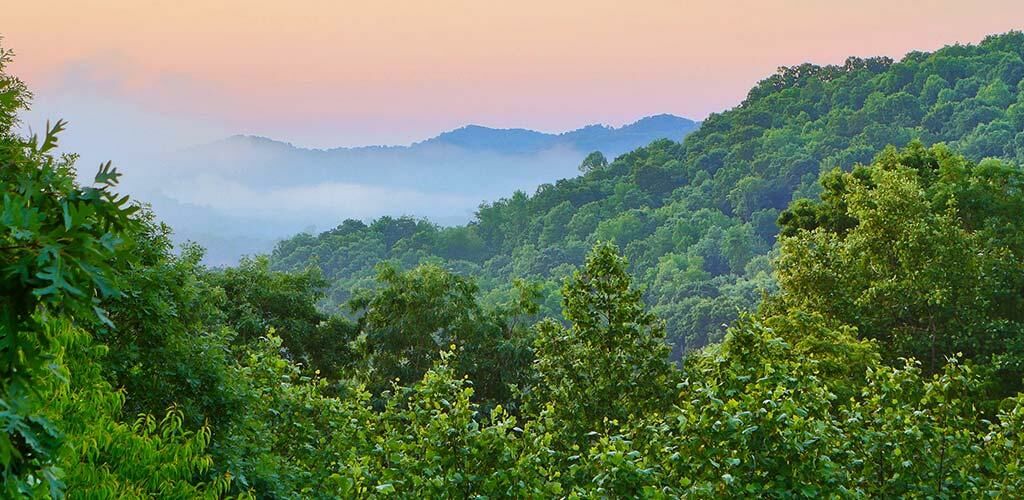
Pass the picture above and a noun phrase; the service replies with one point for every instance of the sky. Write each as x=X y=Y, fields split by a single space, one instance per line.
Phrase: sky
x=159 y=74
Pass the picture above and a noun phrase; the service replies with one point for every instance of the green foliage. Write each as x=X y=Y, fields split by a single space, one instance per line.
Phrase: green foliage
x=258 y=299
x=104 y=457
x=435 y=446
x=921 y=251
x=55 y=239
x=763 y=415
x=407 y=322
x=412 y=318
x=593 y=161
x=612 y=364
x=61 y=249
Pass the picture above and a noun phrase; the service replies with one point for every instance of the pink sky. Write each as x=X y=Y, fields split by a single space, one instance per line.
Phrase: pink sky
x=328 y=73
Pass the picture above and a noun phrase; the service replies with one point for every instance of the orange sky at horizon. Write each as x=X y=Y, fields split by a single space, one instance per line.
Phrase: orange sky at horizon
x=342 y=73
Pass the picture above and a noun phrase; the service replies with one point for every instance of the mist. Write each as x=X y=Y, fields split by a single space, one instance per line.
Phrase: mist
x=237 y=195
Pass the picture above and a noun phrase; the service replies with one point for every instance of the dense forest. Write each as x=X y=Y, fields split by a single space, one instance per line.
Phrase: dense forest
x=697 y=220
x=819 y=293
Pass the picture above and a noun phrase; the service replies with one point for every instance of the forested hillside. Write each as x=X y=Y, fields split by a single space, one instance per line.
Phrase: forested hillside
x=885 y=360
x=697 y=220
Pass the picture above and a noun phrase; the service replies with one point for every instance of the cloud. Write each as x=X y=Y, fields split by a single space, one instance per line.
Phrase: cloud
x=115 y=114
x=324 y=204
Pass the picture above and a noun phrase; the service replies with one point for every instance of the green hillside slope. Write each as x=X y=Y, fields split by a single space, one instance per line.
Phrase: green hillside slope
x=697 y=220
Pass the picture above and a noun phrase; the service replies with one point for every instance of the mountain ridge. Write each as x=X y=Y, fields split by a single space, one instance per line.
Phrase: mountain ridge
x=444 y=178
x=467 y=134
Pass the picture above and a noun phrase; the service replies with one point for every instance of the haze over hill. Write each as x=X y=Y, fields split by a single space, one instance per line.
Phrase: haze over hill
x=238 y=195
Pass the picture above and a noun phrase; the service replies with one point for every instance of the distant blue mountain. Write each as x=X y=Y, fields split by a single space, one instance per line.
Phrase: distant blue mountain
x=487 y=162
x=256 y=187
x=612 y=141
x=509 y=140
x=609 y=140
